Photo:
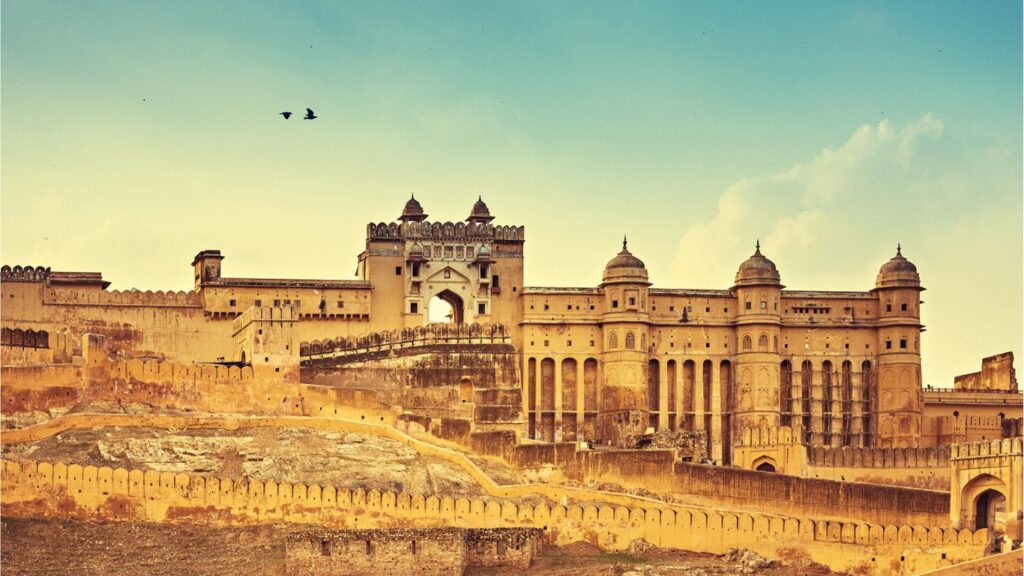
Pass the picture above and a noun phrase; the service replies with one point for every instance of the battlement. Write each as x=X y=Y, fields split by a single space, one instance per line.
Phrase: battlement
x=180 y=299
x=27 y=338
x=119 y=494
x=24 y=273
x=1004 y=447
x=847 y=457
x=444 y=231
x=432 y=334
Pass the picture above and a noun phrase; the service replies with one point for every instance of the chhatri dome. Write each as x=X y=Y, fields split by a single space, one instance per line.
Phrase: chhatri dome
x=413 y=212
x=625 y=267
x=757 y=270
x=480 y=214
x=897 y=272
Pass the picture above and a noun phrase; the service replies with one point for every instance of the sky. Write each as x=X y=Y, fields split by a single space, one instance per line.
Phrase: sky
x=134 y=134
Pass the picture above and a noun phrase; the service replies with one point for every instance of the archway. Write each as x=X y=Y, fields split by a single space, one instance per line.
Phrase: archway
x=986 y=506
x=446 y=307
x=765 y=464
x=980 y=500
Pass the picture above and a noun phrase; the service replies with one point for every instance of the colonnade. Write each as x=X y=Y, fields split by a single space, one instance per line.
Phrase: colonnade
x=831 y=402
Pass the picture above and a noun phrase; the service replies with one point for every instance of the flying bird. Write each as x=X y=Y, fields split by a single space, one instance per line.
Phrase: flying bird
x=309 y=114
x=286 y=115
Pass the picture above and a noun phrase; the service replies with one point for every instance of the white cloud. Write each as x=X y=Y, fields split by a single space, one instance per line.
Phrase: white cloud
x=831 y=222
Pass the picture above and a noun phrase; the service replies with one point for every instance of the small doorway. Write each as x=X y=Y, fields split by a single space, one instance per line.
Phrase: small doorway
x=988 y=504
x=766 y=467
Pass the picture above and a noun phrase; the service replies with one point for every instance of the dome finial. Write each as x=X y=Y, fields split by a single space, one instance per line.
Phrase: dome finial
x=898 y=249
x=412 y=212
x=480 y=214
x=757 y=246
x=623 y=241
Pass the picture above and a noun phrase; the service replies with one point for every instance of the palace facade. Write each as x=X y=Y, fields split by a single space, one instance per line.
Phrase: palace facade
x=601 y=363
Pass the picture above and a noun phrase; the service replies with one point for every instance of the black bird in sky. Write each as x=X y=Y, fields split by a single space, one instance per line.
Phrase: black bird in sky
x=286 y=115
x=309 y=114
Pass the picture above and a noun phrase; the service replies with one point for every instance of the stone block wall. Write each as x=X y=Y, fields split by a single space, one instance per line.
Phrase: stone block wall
x=104 y=494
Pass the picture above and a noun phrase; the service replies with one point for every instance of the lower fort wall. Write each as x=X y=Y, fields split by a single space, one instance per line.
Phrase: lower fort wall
x=780 y=450
x=105 y=494
x=658 y=472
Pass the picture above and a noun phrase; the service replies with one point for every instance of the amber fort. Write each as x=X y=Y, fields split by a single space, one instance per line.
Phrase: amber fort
x=334 y=426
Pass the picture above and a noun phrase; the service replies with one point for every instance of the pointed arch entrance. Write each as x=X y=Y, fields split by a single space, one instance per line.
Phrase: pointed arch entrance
x=447 y=306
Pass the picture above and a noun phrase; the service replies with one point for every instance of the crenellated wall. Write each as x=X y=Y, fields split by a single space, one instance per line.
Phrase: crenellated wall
x=83 y=297
x=985 y=478
x=658 y=471
x=443 y=231
x=91 y=493
x=397 y=340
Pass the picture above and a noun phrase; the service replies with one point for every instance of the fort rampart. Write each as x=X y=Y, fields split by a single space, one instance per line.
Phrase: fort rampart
x=659 y=472
x=91 y=493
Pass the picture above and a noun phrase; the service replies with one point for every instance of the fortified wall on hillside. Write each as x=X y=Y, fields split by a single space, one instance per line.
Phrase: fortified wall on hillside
x=602 y=364
x=612 y=385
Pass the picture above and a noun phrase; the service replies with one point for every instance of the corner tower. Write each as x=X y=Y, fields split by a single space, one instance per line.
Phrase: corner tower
x=899 y=395
x=624 y=407
x=755 y=402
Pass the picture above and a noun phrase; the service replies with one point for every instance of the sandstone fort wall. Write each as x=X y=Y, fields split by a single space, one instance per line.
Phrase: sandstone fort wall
x=91 y=493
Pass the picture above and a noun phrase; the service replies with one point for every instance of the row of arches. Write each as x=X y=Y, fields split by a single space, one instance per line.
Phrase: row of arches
x=571 y=383
x=563 y=397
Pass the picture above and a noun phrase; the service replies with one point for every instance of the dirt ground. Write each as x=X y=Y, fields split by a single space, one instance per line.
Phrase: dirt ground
x=582 y=559
x=310 y=456
x=31 y=547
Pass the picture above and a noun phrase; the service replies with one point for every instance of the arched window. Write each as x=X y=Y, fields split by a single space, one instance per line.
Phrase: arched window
x=613 y=341
x=630 y=341
x=775 y=343
x=643 y=340
x=746 y=342
x=762 y=342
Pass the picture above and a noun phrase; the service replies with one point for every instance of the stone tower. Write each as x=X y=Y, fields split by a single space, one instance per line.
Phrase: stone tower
x=899 y=400
x=207 y=266
x=624 y=406
x=755 y=403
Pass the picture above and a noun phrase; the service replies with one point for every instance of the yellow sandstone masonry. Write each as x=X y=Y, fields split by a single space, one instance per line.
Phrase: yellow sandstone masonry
x=609 y=520
x=91 y=493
